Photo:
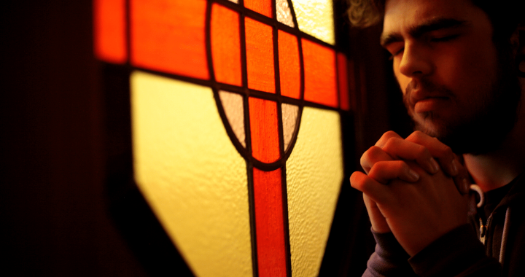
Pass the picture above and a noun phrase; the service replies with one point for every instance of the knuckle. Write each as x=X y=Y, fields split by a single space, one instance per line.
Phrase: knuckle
x=401 y=168
x=422 y=152
x=447 y=151
x=400 y=165
x=368 y=156
x=377 y=170
x=374 y=150
x=374 y=171
x=359 y=181
x=416 y=136
x=355 y=180
x=390 y=144
x=363 y=160
x=443 y=151
x=390 y=134
x=385 y=137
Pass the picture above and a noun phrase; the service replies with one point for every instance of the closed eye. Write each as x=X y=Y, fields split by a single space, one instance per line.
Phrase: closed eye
x=396 y=53
x=443 y=39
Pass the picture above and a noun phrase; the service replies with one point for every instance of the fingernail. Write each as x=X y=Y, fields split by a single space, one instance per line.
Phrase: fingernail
x=454 y=168
x=413 y=175
x=434 y=165
x=466 y=185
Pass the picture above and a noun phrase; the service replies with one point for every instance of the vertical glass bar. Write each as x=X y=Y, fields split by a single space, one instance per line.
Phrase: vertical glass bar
x=289 y=66
x=269 y=222
x=343 y=81
x=259 y=56
x=264 y=130
x=226 y=47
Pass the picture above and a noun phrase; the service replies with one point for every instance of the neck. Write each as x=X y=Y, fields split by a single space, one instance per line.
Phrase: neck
x=498 y=168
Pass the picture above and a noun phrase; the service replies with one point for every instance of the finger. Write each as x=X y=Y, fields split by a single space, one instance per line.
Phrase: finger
x=377 y=219
x=377 y=192
x=399 y=148
x=462 y=184
x=373 y=155
x=447 y=159
x=385 y=171
x=385 y=137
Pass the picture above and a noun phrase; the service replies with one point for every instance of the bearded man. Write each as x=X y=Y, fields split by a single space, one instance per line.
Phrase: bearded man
x=457 y=63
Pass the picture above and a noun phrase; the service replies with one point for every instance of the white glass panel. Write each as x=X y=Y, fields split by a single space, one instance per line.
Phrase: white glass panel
x=284 y=15
x=233 y=107
x=289 y=113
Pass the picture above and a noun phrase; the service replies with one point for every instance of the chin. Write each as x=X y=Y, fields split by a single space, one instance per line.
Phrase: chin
x=430 y=124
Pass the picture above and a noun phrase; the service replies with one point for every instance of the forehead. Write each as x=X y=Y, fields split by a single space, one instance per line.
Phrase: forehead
x=403 y=14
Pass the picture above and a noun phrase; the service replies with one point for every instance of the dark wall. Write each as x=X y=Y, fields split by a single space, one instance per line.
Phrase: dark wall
x=53 y=212
x=54 y=200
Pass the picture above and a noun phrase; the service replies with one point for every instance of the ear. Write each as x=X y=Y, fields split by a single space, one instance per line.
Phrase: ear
x=517 y=40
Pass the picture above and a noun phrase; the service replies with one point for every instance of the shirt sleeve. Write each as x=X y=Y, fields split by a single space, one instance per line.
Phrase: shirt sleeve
x=389 y=258
x=457 y=253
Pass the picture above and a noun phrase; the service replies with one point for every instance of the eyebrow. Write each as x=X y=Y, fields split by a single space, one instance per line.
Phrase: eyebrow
x=421 y=29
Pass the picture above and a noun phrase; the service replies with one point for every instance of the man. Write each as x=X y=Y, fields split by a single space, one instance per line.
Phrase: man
x=457 y=63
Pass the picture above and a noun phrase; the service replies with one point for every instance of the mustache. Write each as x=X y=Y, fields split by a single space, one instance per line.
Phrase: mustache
x=425 y=88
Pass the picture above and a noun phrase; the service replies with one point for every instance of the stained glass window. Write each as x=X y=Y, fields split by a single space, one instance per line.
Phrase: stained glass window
x=235 y=109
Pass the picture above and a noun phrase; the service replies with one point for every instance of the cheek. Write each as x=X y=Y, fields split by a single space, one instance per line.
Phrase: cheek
x=469 y=71
x=402 y=80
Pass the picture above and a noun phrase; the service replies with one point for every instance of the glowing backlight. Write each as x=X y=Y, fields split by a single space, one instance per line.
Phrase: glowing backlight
x=169 y=36
x=225 y=45
x=110 y=30
x=259 y=56
x=263 y=7
x=319 y=70
x=264 y=130
x=289 y=67
x=269 y=223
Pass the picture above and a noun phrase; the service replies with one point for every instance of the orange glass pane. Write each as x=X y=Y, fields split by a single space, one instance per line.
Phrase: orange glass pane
x=110 y=30
x=259 y=56
x=261 y=6
x=225 y=43
x=289 y=67
x=169 y=36
x=343 y=81
x=264 y=130
x=319 y=74
x=269 y=222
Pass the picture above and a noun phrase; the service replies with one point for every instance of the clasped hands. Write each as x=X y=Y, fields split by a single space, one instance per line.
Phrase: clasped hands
x=415 y=188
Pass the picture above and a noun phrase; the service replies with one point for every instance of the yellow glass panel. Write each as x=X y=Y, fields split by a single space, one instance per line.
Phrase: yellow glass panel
x=316 y=18
x=314 y=177
x=191 y=174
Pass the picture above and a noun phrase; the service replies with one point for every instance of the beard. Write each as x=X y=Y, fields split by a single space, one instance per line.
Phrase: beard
x=491 y=122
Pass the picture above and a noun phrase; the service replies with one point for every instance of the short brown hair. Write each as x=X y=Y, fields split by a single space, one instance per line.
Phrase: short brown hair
x=365 y=13
x=504 y=15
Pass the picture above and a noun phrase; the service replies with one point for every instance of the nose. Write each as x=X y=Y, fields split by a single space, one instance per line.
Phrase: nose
x=415 y=62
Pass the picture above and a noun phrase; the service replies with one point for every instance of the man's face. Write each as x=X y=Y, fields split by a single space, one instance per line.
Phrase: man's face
x=447 y=66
